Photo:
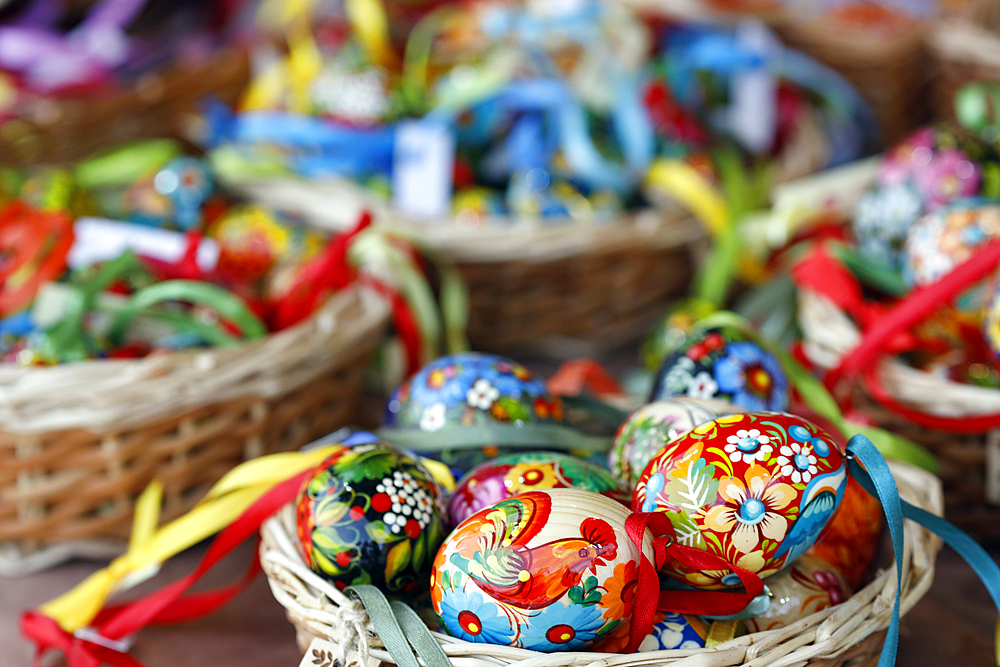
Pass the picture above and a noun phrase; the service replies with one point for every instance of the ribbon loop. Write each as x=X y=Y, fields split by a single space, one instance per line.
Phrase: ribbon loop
x=870 y=469
x=648 y=597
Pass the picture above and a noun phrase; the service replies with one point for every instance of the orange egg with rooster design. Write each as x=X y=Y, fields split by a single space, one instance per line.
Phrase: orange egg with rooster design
x=549 y=570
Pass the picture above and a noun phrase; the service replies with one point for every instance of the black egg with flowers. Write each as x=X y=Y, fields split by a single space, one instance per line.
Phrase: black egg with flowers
x=371 y=514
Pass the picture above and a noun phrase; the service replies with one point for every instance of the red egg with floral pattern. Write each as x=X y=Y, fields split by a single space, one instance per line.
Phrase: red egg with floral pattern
x=755 y=489
x=548 y=570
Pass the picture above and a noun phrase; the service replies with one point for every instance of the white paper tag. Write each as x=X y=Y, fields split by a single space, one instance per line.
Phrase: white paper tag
x=322 y=653
x=422 y=169
x=98 y=240
x=753 y=110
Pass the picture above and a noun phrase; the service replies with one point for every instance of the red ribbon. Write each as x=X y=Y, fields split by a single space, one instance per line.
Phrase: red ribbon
x=330 y=271
x=577 y=375
x=649 y=599
x=34 y=240
x=167 y=605
x=887 y=329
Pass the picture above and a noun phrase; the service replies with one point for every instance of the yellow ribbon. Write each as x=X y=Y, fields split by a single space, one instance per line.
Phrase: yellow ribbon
x=721 y=632
x=682 y=182
x=149 y=546
x=371 y=25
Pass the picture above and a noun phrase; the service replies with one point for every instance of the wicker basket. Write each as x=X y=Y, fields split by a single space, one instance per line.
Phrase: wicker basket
x=79 y=442
x=888 y=67
x=567 y=289
x=55 y=130
x=964 y=49
x=969 y=463
x=850 y=633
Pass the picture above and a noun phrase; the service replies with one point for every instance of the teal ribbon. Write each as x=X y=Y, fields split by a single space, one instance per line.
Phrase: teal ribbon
x=400 y=630
x=870 y=469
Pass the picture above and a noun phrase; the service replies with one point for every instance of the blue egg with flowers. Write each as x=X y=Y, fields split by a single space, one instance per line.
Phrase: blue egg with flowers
x=724 y=363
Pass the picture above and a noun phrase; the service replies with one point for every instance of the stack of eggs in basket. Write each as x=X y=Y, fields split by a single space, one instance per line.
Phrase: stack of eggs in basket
x=538 y=555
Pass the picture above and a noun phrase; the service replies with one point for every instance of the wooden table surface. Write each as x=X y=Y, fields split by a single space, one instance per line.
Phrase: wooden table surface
x=952 y=625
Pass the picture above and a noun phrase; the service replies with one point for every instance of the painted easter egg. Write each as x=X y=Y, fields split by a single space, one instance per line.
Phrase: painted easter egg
x=755 y=489
x=506 y=476
x=943 y=239
x=932 y=167
x=807 y=586
x=851 y=541
x=652 y=426
x=371 y=514
x=471 y=389
x=672 y=329
x=724 y=363
x=546 y=570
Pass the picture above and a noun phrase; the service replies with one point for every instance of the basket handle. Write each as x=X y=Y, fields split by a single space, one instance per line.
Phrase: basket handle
x=870 y=469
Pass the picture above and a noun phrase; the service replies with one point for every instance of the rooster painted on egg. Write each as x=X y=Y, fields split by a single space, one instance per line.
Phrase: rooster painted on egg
x=756 y=489
x=546 y=570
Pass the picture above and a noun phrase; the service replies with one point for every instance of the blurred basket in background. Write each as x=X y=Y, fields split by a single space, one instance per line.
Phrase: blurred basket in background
x=565 y=287
x=79 y=442
x=887 y=64
x=969 y=462
x=62 y=129
x=964 y=49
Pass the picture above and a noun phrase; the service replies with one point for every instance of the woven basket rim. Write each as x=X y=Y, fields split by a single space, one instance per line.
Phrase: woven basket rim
x=317 y=608
x=335 y=203
x=89 y=394
x=829 y=335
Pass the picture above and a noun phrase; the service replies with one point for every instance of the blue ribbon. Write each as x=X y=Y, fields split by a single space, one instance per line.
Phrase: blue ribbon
x=870 y=469
x=848 y=120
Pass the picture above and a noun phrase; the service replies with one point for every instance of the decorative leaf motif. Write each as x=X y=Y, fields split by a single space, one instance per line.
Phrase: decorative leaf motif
x=377 y=531
x=694 y=485
x=687 y=530
x=591 y=594
x=326 y=539
x=323 y=658
x=576 y=595
x=397 y=560
x=359 y=465
x=419 y=551
x=329 y=510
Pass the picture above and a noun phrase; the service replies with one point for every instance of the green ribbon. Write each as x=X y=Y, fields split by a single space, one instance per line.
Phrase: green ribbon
x=973 y=105
x=229 y=307
x=125 y=165
x=526 y=436
x=822 y=402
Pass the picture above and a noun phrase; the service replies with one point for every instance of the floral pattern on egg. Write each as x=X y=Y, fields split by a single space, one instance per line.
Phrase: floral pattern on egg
x=468 y=389
x=371 y=514
x=513 y=474
x=930 y=168
x=755 y=489
x=652 y=426
x=808 y=586
x=725 y=364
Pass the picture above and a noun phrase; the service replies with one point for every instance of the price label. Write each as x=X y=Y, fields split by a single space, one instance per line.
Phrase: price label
x=422 y=169
x=753 y=112
x=99 y=240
